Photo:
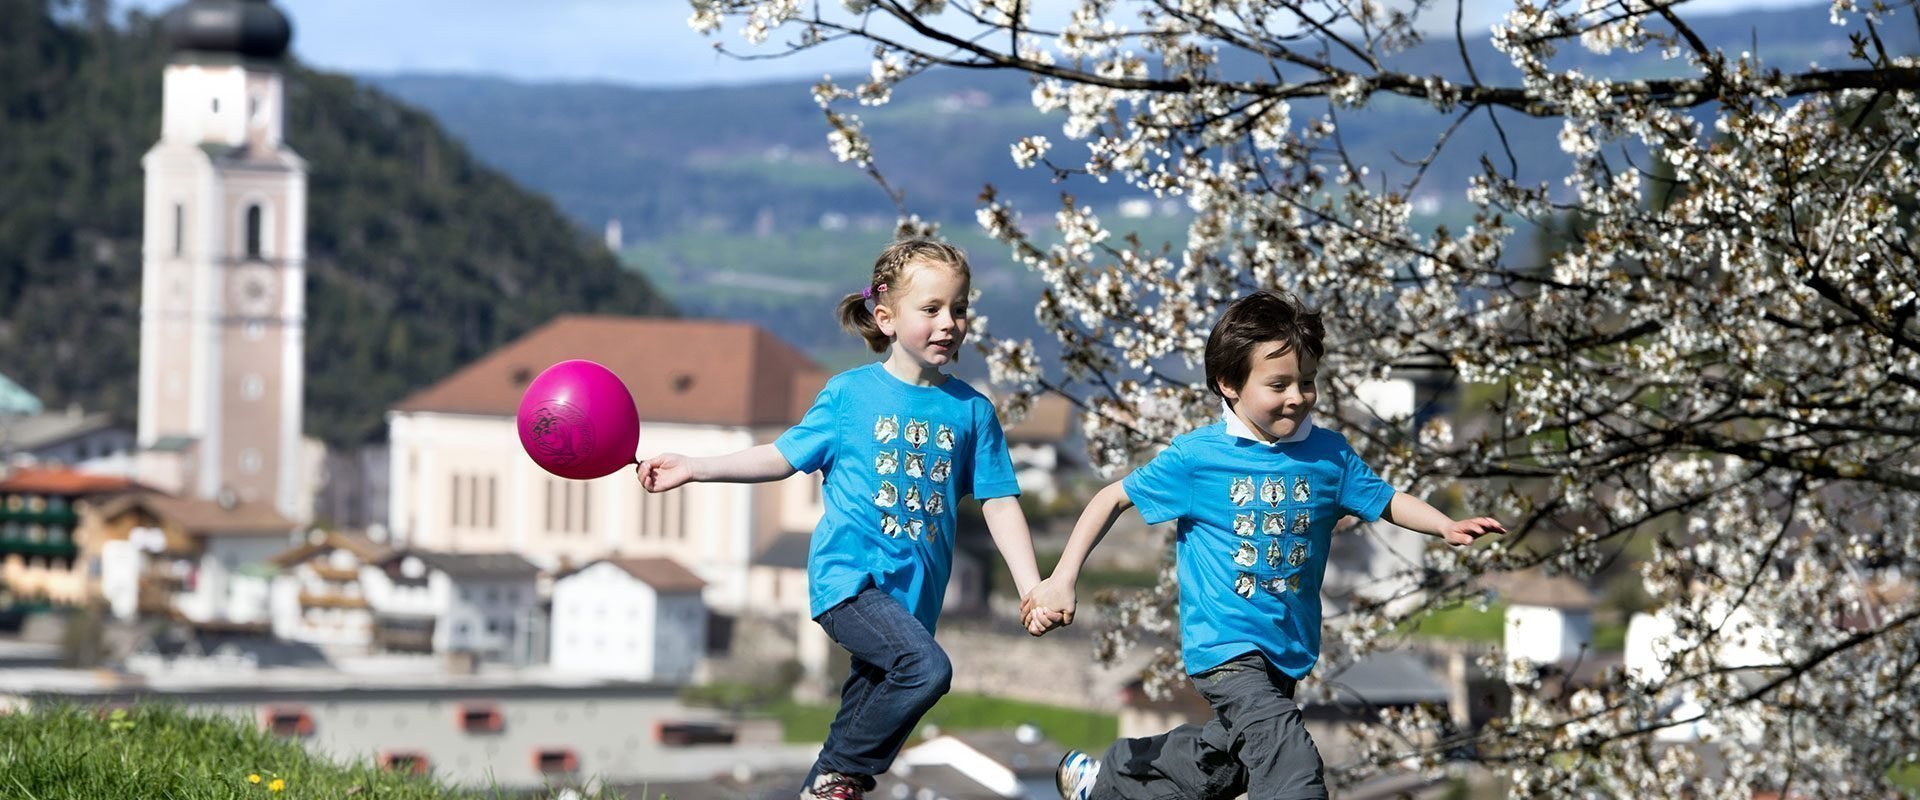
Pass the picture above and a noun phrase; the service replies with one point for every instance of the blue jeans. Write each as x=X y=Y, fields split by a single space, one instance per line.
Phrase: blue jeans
x=898 y=673
x=1256 y=743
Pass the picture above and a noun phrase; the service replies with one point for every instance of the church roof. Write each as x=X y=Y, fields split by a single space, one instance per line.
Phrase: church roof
x=250 y=28
x=679 y=370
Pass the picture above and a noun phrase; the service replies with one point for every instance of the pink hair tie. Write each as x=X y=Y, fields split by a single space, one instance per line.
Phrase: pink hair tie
x=870 y=290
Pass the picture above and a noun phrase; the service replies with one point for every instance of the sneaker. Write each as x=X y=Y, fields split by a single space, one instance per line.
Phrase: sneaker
x=1076 y=775
x=836 y=786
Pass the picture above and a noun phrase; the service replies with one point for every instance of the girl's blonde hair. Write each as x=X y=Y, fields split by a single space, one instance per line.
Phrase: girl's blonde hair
x=889 y=279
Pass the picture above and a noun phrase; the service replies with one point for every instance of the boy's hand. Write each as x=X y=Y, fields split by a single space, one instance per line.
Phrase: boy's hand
x=663 y=472
x=1465 y=531
x=1052 y=600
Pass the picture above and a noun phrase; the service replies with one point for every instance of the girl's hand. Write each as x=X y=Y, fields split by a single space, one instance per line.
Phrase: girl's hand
x=664 y=472
x=1040 y=620
x=1465 y=531
x=1052 y=600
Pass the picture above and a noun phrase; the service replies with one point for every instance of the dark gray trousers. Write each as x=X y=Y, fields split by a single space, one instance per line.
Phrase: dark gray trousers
x=1256 y=743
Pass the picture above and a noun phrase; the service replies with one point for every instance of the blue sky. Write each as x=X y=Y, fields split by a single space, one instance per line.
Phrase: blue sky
x=637 y=42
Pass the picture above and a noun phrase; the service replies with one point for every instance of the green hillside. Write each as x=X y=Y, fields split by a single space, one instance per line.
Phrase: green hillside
x=420 y=258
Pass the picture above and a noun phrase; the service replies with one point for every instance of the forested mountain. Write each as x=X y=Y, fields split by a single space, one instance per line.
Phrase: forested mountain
x=420 y=257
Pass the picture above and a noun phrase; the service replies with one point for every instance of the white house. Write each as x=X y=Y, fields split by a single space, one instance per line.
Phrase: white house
x=480 y=603
x=319 y=596
x=1037 y=443
x=1549 y=618
x=1016 y=764
x=207 y=562
x=461 y=481
x=634 y=618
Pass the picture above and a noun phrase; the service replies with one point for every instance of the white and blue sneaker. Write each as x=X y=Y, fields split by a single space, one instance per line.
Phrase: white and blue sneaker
x=1076 y=775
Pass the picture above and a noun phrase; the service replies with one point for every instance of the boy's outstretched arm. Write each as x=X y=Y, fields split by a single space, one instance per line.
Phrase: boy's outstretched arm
x=756 y=464
x=1415 y=514
x=1056 y=593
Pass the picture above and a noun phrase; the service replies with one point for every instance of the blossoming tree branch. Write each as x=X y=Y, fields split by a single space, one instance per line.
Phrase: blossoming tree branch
x=1712 y=364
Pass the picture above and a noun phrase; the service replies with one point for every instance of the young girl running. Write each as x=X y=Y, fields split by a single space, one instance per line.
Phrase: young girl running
x=898 y=443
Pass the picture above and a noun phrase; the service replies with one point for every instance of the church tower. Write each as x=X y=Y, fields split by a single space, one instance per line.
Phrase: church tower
x=222 y=303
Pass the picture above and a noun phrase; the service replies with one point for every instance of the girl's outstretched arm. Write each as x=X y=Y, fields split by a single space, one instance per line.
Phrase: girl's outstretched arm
x=756 y=464
x=1415 y=514
x=1008 y=525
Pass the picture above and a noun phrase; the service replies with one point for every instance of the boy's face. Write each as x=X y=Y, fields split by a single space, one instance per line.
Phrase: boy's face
x=928 y=318
x=1279 y=391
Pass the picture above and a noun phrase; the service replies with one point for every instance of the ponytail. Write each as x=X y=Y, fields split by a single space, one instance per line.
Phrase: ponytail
x=858 y=320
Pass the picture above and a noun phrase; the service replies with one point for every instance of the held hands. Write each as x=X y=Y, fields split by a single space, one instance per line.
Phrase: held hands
x=663 y=472
x=1466 y=531
x=1048 y=605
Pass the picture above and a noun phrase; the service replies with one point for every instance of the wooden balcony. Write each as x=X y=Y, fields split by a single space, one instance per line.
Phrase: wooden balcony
x=316 y=600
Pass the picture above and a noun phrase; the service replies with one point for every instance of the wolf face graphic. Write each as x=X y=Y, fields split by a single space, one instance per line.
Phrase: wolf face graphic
x=1301 y=492
x=1273 y=554
x=913 y=497
x=1272 y=491
x=1298 y=555
x=942 y=467
x=1301 y=519
x=1274 y=586
x=889 y=524
x=1243 y=524
x=1243 y=584
x=887 y=495
x=1273 y=524
x=1246 y=555
x=886 y=462
x=933 y=530
x=1242 y=491
x=916 y=464
x=917 y=433
x=914 y=529
x=936 y=503
x=886 y=429
x=944 y=438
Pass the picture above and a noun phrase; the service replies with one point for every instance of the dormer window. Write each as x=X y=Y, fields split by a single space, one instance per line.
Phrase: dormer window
x=253 y=231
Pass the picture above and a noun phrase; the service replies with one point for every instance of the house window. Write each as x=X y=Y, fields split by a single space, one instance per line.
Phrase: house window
x=179 y=228
x=481 y=718
x=681 y=734
x=408 y=761
x=492 y=501
x=287 y=721
x=551 y=760
x=253 y=230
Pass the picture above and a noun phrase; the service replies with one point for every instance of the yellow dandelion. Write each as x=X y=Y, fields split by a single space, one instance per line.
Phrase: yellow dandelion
x=276 y=785
x=254 y=778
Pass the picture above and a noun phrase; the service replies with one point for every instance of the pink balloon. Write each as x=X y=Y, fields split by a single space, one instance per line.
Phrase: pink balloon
x=577 y=420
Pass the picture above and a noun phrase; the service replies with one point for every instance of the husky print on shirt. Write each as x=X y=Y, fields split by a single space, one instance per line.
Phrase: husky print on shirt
x=914 y=527
x=944 y=438
x=886 y=429
x=1274 y=585
x=1273 y=554
x=913 y=498
x=936 y=502
x=1273 y=524
x=1301 y=493
x=1246 y=555
x=1301 y=519
x=889 y=524
x=1243 y=584
x=1272 y=492
x=1242 y=491
x=886 y=461
x=887 y=495
x=942 y=467
x=1298 y=555
x=1243 y=524
x=916 y=464
x=917 y=433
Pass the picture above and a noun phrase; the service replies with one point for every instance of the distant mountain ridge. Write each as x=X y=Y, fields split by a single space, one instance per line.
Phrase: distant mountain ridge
x=420 y=258
x=738 y=159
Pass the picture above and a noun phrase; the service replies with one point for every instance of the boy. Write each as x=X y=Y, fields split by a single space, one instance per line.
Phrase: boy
x=1256 y=497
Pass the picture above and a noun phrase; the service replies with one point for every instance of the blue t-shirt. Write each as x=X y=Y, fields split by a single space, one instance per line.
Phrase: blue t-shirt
x=895 y=458
x=1255 y=523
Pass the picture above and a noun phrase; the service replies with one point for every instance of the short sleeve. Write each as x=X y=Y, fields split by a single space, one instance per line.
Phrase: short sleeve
x=992 y=474
x=1362 y=493
x=809 y=446
x=1163 y=489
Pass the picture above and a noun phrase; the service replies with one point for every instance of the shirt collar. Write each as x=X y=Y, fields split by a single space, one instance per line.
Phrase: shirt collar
x=1237 y=428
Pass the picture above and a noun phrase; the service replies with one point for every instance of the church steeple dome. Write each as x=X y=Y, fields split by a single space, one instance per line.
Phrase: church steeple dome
x=248 y=28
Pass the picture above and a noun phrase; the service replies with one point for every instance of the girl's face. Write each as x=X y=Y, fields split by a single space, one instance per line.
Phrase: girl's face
x=927 y=318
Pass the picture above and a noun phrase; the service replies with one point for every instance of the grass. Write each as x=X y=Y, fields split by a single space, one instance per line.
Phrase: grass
x=959 y=712
x=1906 y=778
x=71 y=753
x=1464 y=623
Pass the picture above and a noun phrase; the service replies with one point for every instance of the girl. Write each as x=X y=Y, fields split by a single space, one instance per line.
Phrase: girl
x=897 y=443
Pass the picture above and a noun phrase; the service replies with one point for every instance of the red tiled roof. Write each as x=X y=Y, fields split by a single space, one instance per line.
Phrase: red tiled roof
x=62 y=481
x=204 y=517
x=665 y=575
x=679 y=370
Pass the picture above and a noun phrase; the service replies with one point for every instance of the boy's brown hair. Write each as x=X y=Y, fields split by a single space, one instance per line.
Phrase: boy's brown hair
x=1264 y=316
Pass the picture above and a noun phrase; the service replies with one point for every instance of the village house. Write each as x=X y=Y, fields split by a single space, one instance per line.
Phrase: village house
x=636 y=619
